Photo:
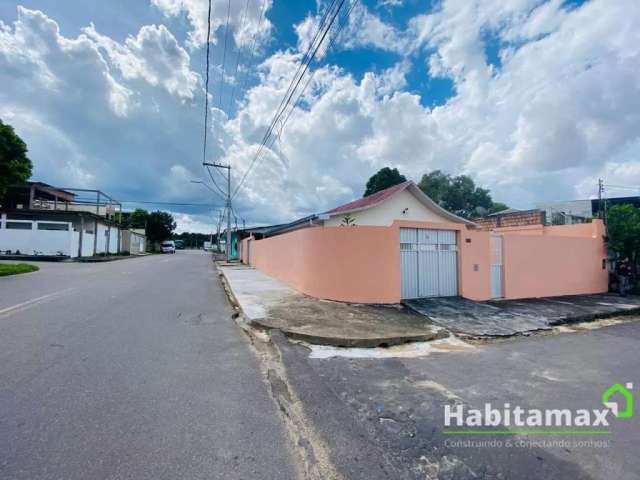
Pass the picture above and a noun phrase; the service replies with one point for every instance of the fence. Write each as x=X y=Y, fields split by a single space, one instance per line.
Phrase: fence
x=362 y=264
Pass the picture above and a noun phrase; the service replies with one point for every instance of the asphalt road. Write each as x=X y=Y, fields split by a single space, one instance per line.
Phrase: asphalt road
x=131 y=369
x=402 y=402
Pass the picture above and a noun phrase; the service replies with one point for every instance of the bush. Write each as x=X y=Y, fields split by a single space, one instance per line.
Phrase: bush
x=16 y=268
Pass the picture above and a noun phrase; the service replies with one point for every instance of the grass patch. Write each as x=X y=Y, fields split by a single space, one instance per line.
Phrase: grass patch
x=15 y=268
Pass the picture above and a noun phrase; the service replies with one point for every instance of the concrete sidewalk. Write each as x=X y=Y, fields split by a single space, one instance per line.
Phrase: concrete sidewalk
x=268 y=303
x=514 y=317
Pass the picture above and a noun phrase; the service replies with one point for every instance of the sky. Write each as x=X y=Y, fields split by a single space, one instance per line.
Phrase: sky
x=534 y=99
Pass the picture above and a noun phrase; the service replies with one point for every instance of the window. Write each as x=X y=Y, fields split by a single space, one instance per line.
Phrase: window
x=18 y=225
x=52 y=226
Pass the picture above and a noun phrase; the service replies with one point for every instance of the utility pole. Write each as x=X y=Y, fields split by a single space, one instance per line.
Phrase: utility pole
x=228 y=240
x=602 y=205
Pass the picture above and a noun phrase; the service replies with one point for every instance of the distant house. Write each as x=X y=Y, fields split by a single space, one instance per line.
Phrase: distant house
x=134 y=241
x=399 y=244
x=581 y=211
x=40 y=219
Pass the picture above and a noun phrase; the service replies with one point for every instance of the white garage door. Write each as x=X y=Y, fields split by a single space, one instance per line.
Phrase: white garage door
x=428 y=263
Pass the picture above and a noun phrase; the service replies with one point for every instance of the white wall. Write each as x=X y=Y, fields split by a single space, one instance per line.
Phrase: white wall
x=34 y=241
x=87 y=244
x=101 y=246
x=50 y=242
x=391 y=209
x=113 y=240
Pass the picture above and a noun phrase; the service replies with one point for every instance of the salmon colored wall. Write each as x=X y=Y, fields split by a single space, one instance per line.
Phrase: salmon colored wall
x=362 y=264
x=547 y=266
x=350 y=264
x=244 y=250
x=474 y=264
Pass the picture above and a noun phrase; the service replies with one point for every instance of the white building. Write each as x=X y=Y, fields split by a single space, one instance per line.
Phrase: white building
x=38 y=219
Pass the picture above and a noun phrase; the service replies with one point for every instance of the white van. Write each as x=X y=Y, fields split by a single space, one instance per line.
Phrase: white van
x=168 y=246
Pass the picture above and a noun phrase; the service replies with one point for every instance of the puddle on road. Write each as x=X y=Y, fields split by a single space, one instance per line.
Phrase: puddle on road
x=408 y=350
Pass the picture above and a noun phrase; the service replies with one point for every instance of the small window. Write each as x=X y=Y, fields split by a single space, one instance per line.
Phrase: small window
x=407 y=246
x=53 y=226
x=18 y=225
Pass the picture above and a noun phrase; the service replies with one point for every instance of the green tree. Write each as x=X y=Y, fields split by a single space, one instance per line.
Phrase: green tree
x=160 y=226
x=459 y=195
x=15 y=166
x=498 y=207
x=623 y=230
x=384 y=178
x=138 y=218
x=135 y=219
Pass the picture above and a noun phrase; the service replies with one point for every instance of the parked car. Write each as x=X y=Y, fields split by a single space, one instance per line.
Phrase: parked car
x=179 y=244
x=168 y=246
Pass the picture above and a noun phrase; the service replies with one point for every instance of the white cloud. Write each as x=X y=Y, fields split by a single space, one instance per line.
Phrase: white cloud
x=124 y=118
x=245 y=27
x=153 y=55
x=560 y=110
x=199 y=224
x=563 y=103
x=362 y=29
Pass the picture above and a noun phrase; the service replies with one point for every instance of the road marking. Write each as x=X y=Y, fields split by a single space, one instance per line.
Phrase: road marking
x=5 y=312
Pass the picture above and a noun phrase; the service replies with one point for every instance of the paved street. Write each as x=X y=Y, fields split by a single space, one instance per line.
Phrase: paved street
x=131 y=369
x=402 y=401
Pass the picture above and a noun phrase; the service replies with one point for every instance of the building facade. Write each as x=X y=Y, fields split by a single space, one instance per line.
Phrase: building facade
x=399 y=244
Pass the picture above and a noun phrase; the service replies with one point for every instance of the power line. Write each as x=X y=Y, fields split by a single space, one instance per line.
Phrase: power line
x=206 y=88
x=150 y=202
x=224 y=53
x=239 y=50
x=286 y=100
x=623 y=187
x=222 y=193
x=254 y=38
x=331 y=42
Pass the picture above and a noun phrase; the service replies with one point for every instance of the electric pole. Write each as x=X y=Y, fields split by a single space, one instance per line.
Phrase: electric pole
x=603 y=206
x=228 y=168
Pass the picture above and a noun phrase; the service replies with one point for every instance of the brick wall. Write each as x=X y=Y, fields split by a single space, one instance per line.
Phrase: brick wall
x=513 y=219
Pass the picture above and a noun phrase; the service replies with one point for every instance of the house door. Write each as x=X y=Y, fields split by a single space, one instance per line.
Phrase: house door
x=497 y=269
x=429 y=263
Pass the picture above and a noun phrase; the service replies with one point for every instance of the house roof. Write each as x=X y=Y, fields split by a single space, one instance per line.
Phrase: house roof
x=285 y=227
x=46 y=188
x=383 y=195
x=371 y=200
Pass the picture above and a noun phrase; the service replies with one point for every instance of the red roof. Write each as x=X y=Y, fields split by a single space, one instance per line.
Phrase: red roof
x=371 y=199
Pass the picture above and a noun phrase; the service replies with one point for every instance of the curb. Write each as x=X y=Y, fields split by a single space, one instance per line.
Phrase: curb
x=352 y=342
x=315 y=339
x=331 y=442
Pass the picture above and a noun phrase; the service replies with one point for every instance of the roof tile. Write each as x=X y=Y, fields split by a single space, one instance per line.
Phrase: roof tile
x=371 y=199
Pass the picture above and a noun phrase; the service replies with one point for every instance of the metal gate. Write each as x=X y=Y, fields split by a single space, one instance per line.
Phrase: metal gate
x=497 y=269
x=428 y=263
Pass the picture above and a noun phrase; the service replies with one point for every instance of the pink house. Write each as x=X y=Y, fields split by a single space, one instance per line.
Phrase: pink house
x=399 y=244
